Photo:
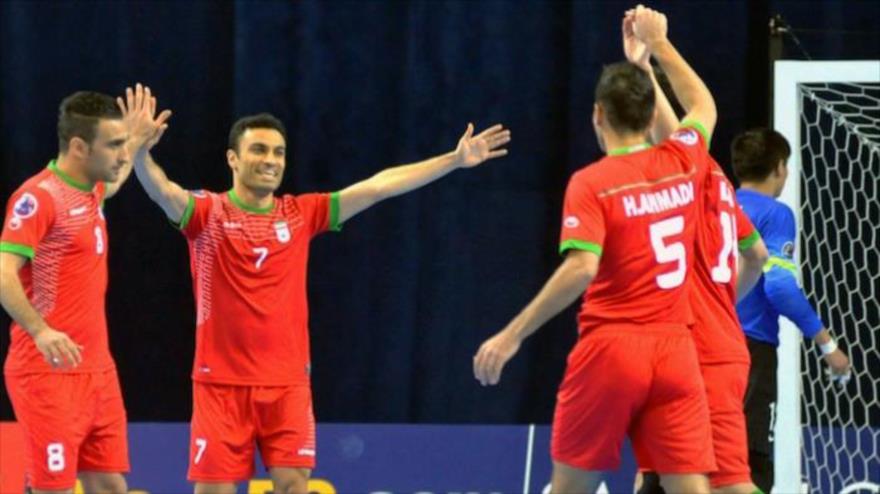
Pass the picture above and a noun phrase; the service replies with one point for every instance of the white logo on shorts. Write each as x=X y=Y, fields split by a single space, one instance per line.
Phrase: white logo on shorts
x=306 y=452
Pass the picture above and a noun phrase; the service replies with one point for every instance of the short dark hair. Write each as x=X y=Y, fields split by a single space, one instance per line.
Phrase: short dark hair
x=258 y=121
x=79 y=114
x=757 y=152
x=626 y=93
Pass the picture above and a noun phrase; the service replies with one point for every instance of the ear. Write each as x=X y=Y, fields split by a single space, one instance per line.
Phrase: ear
x=78 y=148
x=232 y=159
x=598 y=114
x=780 y=168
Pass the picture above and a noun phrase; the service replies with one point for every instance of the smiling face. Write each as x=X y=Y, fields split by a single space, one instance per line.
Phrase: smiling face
x=258 y=161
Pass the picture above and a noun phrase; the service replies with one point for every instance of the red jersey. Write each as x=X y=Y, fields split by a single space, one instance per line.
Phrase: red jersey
x=723 y=227
x=638 y=208
x=249 y=278
x=58 y=225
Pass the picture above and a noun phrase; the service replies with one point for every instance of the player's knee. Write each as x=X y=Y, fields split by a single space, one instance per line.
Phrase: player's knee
x=214 y=488
x=650 y=484
x=690 y=483
x=29 y=490
x=296 y=485
x=103 y=483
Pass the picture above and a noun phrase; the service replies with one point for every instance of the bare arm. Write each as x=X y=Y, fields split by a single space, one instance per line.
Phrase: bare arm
x=471 y=151
x=751 y=267
x=172 y=198
x=57 y=348
x=568 y=283
x=650 y=27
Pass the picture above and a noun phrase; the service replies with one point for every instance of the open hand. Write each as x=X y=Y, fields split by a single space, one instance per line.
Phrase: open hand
x=58 y=349
x=634 y=49
x=139 y=115
x=475 y=149
x=649 y=26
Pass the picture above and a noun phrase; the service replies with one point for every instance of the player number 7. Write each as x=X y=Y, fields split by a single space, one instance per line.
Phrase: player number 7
x=673 y=252
x=201 y=443
x=262 y=253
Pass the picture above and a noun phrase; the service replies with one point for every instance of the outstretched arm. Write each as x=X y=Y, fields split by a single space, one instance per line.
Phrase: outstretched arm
x=569 y=281
x=146 y=130
x=650 y=27
x=637 y=53
x=471 y=151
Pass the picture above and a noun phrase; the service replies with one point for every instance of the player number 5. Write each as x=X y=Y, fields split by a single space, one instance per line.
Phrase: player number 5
x=262 y=253
x=673 y=252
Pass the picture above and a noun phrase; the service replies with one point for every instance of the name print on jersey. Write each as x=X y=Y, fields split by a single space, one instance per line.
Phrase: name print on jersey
x=657 y=202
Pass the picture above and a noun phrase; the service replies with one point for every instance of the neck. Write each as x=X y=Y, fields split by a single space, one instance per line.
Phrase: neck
x=766 y=188
x=615 y=143
x=73 y=170
x=251 y=198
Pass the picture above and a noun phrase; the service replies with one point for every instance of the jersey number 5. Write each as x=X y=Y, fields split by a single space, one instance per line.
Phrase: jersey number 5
x=672 y=252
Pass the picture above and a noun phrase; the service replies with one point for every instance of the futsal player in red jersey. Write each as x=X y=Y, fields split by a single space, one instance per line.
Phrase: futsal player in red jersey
x=628 y=232
x=724 y=230
x=59 y=372
x=249 y=250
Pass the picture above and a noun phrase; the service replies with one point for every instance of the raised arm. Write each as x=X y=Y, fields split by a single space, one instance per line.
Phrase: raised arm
x=56 y=347
x=570 y=280
x=146 y=129
x=471 y=151
x=649 y=26
x=636 y=52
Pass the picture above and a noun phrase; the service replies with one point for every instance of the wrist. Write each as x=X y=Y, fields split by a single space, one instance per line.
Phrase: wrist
x=656 y=44
x=828 y=347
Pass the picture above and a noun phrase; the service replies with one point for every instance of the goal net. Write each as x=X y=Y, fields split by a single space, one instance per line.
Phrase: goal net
x=836 y=198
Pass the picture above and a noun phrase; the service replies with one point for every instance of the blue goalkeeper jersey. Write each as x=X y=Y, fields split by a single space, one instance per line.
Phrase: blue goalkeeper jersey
x=777 y=292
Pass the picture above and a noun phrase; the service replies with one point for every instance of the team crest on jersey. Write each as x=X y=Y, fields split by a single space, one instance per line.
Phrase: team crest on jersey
x=25 y=206
x=686 y=136
x=282 y=231
x=788 y=250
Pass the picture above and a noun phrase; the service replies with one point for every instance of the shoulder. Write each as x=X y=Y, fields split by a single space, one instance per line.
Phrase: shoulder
x=33 y=195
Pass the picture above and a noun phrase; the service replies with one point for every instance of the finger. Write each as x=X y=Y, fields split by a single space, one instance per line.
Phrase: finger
x=53 y=358
x=479 y=366
x=148 y=97
x=139 y=96
x=121 y=105
x=76 y=351
x=469 y=131
x=59 y=355
x=489 y=372
x=496 y=370
x=491 y=130
x=67 y=351
x=163 y=117
x=498 y=140
x=129 y=98
x=497 y=154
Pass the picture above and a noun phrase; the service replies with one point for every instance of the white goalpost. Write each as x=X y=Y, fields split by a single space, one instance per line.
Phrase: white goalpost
x=830 y=113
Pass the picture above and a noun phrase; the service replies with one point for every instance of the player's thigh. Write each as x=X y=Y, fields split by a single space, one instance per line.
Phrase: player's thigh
x=689 y=483
x=43 y=491
x=286 y=480
x=48 y=407
x=222 y=435
x=105 y=448
x=672 y=434
x=285 y=426
x=215 y=488
x=103 y=483
x=725 y=389
x=568 y=479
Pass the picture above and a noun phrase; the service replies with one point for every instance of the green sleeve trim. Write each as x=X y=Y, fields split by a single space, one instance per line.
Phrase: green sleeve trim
x=699 y=128
x=334 y=212
x=22 y=250
x=580 y=245
x=779 y=262
x=749 y=241
x=187 y=213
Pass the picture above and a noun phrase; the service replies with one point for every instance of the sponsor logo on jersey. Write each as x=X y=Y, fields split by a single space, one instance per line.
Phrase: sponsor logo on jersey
x=231 y=225
x=26 y=206
x=205 y=370
x=306 y=452
x=571 y=222
x=78 y=211
x=686 y=136
x=788 y=250
x=282 y=231
x=657 y=202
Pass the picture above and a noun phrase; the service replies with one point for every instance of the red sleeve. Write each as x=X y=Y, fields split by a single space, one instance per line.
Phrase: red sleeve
x=29 y=216
x=197 y=212
x=583 y=220
x=320 y=212
x=746 y=233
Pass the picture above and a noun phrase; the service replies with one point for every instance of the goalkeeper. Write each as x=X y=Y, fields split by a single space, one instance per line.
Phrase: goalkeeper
x=759 y=160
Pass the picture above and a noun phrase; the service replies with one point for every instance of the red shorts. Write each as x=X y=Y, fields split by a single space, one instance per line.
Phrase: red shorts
x=636 y=381
x=230 y=420
x=71 y=422
x=725 y=390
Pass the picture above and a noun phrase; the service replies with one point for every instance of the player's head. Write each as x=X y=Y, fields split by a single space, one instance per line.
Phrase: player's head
x=760 y=156
x=624 y=102
x=92 y=135
x=257 y=151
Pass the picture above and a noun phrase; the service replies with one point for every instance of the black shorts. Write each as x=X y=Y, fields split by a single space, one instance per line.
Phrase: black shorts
x=760 y=401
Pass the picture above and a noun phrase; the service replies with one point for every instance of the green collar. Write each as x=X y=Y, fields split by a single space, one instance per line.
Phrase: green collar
x=53 y=166
x=629 y=149
x=249 y=209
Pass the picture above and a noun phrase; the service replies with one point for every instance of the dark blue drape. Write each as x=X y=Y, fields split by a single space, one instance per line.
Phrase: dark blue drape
x=403 y=296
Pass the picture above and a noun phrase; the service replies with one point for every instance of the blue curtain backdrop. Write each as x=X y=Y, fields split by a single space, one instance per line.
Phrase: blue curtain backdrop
x=402 y=297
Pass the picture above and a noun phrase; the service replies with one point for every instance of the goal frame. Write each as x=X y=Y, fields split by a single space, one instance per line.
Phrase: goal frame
x=787 y=109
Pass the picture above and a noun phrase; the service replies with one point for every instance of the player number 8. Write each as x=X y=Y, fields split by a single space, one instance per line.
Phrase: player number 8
x=55 y=462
